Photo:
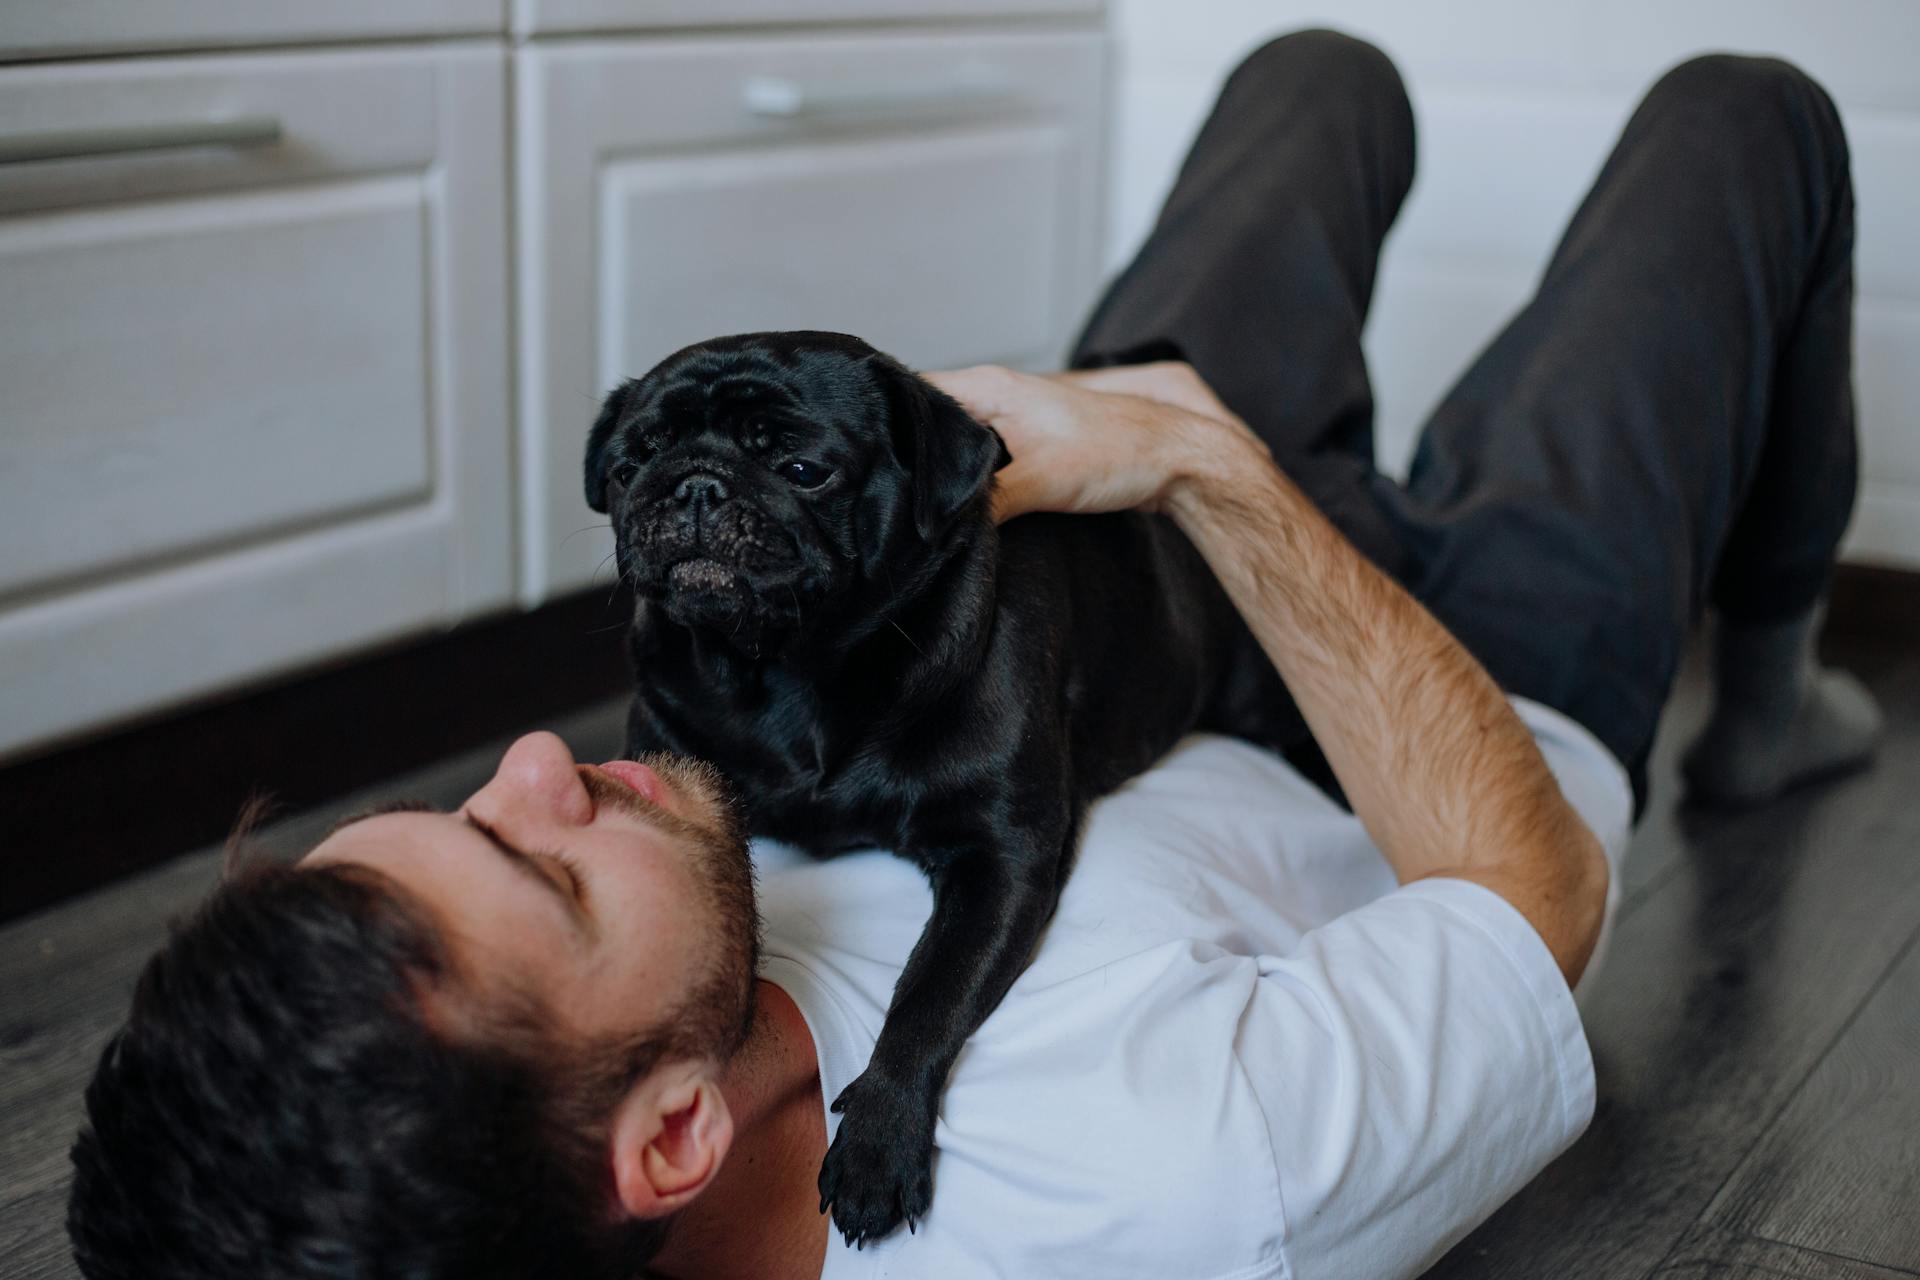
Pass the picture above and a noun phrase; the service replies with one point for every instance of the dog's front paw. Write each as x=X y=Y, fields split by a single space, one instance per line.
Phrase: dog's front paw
x=879 y=1171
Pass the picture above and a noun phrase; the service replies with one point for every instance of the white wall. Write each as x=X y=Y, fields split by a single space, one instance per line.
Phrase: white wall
x=1517 y=103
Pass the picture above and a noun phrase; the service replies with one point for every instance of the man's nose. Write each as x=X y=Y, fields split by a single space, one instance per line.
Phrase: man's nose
x=701 y=490
x=537 y=776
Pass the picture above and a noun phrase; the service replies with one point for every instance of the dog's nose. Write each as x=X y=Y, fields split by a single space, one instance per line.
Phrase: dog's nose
x=701 y=489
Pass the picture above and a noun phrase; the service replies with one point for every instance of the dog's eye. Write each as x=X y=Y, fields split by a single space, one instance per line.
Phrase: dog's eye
x=623 y=474
x=805 y=474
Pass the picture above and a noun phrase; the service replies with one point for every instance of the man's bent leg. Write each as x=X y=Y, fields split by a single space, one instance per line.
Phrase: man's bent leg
x=1778 y=715
x=1260 y=268
x=1675 y=399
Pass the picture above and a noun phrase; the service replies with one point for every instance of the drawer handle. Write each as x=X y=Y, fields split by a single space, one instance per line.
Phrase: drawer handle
x=777 y=97
x=71 y=144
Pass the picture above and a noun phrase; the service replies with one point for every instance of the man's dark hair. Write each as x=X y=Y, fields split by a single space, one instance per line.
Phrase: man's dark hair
x=278 y=1107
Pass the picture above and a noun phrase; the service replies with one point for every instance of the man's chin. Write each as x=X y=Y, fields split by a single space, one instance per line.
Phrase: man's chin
x=725 y=868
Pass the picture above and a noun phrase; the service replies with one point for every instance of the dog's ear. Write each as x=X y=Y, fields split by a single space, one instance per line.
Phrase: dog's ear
x=611 y=411
x=951 y=455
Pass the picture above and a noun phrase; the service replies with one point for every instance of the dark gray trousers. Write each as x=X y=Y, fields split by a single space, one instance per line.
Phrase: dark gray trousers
x=1667 y=424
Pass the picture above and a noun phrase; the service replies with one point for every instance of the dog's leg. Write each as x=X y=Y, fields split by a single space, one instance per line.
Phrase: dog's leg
x=990 y=906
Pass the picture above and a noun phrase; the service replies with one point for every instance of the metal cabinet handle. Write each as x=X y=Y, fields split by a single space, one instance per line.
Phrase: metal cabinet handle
x=777 y=97
x=70 y=144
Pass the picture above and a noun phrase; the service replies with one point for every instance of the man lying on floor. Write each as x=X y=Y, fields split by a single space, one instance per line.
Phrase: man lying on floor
x=543 y=1035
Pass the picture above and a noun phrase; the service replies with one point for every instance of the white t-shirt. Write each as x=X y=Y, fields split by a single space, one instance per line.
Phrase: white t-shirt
x=1240 y=1052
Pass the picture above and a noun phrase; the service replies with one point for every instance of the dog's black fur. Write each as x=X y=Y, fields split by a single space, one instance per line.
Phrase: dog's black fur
x=826 y=611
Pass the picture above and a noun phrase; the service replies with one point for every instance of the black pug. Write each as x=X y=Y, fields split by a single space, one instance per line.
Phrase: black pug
x=827 y=612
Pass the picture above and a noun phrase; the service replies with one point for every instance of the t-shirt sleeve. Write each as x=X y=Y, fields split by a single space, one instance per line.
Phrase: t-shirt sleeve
x=1418 y=1061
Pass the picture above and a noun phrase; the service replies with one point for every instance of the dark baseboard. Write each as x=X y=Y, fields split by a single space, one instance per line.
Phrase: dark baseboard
x=90 y=813
x=1872 y=603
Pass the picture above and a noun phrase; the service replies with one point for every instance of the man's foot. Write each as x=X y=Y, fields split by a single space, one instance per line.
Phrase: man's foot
x=1779 y=717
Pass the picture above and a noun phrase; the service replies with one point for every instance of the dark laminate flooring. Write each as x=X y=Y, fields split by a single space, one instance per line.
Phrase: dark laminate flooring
x=1756 y=1029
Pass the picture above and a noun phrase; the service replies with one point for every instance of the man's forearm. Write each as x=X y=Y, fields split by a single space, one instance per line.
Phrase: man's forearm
x=1436 y=764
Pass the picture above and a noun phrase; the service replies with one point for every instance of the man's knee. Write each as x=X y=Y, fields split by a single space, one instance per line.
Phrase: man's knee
x=1326 y=75
x=1767 y=101
x=1327 y=60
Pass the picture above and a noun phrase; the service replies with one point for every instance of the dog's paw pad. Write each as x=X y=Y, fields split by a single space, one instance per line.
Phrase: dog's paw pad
x=879 y=1171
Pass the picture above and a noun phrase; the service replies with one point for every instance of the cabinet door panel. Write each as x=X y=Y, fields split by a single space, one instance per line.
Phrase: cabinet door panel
x=886 y=200
x=938 y=196
x=191 y=373
x=255 y=401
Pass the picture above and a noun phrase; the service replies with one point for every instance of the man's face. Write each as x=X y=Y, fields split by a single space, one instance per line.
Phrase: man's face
x=607 y=892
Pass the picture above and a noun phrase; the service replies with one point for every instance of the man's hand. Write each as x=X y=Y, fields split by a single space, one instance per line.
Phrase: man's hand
x=1101 y=440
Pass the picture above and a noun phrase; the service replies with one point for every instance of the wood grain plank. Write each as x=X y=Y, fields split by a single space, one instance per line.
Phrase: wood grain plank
x=33 y=1237
x=1839 y=1171
x=1709 y=1253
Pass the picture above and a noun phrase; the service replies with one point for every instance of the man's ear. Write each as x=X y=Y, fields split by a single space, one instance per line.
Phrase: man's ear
x=950 y=455
x=670 y=1135
x=612 y=409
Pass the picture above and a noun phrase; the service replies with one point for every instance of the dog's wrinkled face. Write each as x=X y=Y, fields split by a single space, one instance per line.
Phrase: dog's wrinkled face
x=763 y=483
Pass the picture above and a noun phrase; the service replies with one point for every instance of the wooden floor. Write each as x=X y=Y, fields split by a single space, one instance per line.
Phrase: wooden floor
x=1756 y=1029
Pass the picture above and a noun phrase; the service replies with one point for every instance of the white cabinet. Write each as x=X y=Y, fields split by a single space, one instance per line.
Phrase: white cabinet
x=937 y=195
x=267 y=318
x=253 y=394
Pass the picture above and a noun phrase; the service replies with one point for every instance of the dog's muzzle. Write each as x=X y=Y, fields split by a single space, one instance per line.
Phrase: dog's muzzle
x=712 y=557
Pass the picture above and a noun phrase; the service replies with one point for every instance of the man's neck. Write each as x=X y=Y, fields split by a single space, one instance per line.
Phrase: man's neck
x=761 y=1216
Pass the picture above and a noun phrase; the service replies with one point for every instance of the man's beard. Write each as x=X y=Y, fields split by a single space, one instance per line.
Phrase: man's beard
x=717 y=1011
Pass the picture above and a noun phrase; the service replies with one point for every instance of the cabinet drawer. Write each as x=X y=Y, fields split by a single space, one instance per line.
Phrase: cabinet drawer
x=939 y=197
x=82 y=134
x=66 y=27
x=542 y=16
x=235 y=373
x=207 y=371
